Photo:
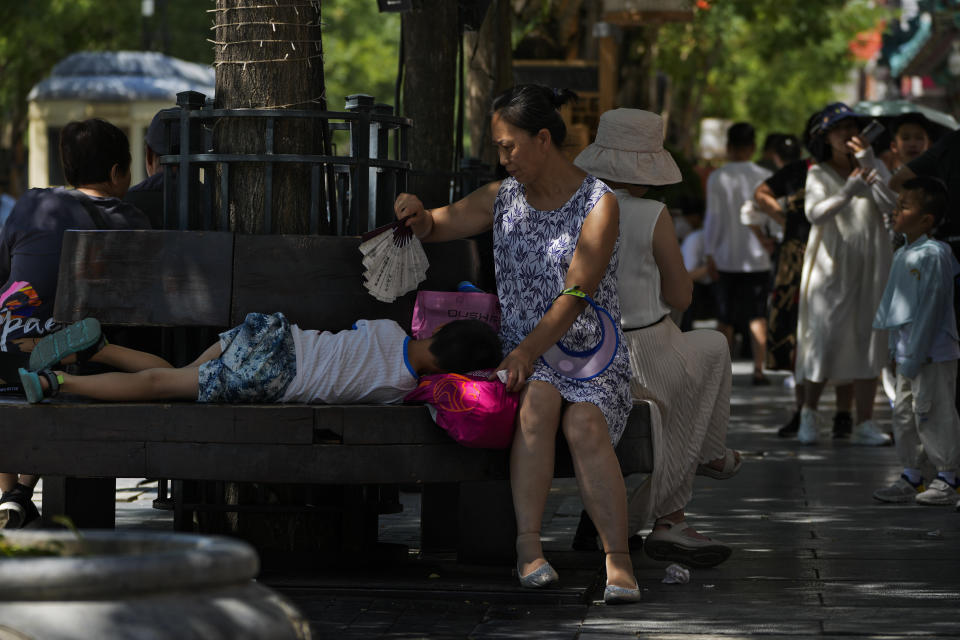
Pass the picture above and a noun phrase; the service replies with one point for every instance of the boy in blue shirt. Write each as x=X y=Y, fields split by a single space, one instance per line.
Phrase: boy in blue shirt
x=917 y=309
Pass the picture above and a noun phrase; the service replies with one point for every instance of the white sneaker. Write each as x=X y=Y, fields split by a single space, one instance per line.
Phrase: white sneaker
x=809 y=430
x=938 y=492
x=868 y=433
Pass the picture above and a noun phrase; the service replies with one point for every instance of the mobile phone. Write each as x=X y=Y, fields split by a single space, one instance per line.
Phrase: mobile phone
x=871 y=132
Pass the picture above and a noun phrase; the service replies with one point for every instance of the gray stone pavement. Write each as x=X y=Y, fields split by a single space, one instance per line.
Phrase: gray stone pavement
x=815 y=557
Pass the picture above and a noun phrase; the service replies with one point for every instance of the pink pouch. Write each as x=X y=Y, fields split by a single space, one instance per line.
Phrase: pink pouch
x=434 y=308
x=474 y=411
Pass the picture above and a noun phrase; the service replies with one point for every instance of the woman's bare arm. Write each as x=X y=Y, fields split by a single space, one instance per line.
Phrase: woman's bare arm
x=465 y=217
x=676 y=285
x=768 y=203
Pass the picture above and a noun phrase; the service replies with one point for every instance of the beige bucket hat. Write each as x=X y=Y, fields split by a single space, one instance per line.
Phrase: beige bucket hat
x=629 y=148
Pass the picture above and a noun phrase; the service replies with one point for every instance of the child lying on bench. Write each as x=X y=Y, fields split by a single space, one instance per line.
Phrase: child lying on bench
x=265 y=359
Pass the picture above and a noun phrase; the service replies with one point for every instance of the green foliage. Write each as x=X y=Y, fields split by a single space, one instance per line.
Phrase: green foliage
x=361 y=51
x=180 y=28
x=771 y=62
x=39 y=33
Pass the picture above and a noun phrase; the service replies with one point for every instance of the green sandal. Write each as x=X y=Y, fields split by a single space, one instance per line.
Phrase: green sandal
x=82 y=338
x=34 y=389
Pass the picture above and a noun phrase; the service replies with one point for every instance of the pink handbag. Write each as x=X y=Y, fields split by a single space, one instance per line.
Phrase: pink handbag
x=435 y=308
x=474 y=411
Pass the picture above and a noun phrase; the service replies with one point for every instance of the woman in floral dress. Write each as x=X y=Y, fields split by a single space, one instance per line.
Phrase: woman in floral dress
x=554 y=227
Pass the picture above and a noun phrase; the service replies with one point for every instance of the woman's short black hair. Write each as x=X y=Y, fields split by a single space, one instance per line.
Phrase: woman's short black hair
x=932 y=193
x=787 y=148
x=466 y=345
x=90 y=148
x=533 y=107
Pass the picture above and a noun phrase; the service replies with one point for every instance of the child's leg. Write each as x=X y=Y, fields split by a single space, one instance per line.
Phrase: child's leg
x=212 y=353
x=132 y=360
x=149 y=384
x=905 y=434
x=127 y=359
x=937 y=422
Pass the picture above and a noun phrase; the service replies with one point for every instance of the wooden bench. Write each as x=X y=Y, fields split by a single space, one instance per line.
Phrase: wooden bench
x=213 y=279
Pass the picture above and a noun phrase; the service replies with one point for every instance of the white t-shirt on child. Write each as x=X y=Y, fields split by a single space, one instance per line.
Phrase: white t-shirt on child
x=693 y=252
x=367 y=364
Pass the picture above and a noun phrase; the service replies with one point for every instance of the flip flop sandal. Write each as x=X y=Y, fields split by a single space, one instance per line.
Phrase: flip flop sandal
x=82 y=338
x=671 y=545
x=32 y=387
x=731 y=466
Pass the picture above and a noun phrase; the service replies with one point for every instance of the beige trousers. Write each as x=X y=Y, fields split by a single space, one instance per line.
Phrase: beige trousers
x=925 y=422
x=686 y=377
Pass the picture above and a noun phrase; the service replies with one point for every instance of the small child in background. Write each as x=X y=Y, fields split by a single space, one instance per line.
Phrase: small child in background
x=917 y=309
x=702 y=305
x=266 y=359
x=910 y=139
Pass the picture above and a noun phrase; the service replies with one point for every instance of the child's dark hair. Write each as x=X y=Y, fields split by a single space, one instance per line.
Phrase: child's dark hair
x=466 y=345
x=533 y=107
x=741 y=135
x=910 y=118
x=90 y=148
x=932 y=194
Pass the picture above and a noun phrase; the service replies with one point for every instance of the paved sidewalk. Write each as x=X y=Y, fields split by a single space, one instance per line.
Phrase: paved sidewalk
x=815 y=557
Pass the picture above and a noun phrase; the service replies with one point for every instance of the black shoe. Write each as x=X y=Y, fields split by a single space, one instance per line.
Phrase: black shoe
x=842 y=425
x=17 y=511
x=635 y=542
x=790 y=429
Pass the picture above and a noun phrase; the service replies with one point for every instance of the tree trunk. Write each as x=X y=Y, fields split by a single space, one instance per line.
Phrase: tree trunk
x=490 y=71
x=269 y=56
x=430 y=36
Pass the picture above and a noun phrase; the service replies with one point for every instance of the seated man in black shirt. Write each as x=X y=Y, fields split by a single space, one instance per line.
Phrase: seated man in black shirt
x=96 y=160
x=148 y=194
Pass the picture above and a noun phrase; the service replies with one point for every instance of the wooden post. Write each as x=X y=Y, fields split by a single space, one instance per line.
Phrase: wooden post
x=489 y=71
x=608 y=71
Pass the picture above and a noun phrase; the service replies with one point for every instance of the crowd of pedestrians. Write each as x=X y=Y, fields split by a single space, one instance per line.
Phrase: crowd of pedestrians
x=865 y=286
x=833 y=264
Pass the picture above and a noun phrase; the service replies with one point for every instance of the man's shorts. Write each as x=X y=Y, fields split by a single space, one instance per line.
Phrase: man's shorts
x=742 y=296
x=257 y=362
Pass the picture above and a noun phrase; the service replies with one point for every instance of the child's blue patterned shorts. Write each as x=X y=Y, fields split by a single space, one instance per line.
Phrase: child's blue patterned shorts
x=257 y=364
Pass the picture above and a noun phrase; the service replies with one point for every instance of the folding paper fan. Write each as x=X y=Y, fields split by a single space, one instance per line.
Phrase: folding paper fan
x=394 y=261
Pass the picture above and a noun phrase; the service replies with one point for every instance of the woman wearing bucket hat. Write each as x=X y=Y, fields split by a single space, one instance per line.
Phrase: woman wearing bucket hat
x=554 y=228
x=685 y=376
x=845 y=270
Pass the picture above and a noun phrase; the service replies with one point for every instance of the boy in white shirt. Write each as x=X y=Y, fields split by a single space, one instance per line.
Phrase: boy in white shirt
x=266 y=359
x=917 y=309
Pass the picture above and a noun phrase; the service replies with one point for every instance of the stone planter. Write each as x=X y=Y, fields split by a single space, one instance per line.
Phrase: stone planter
x=140 y=585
